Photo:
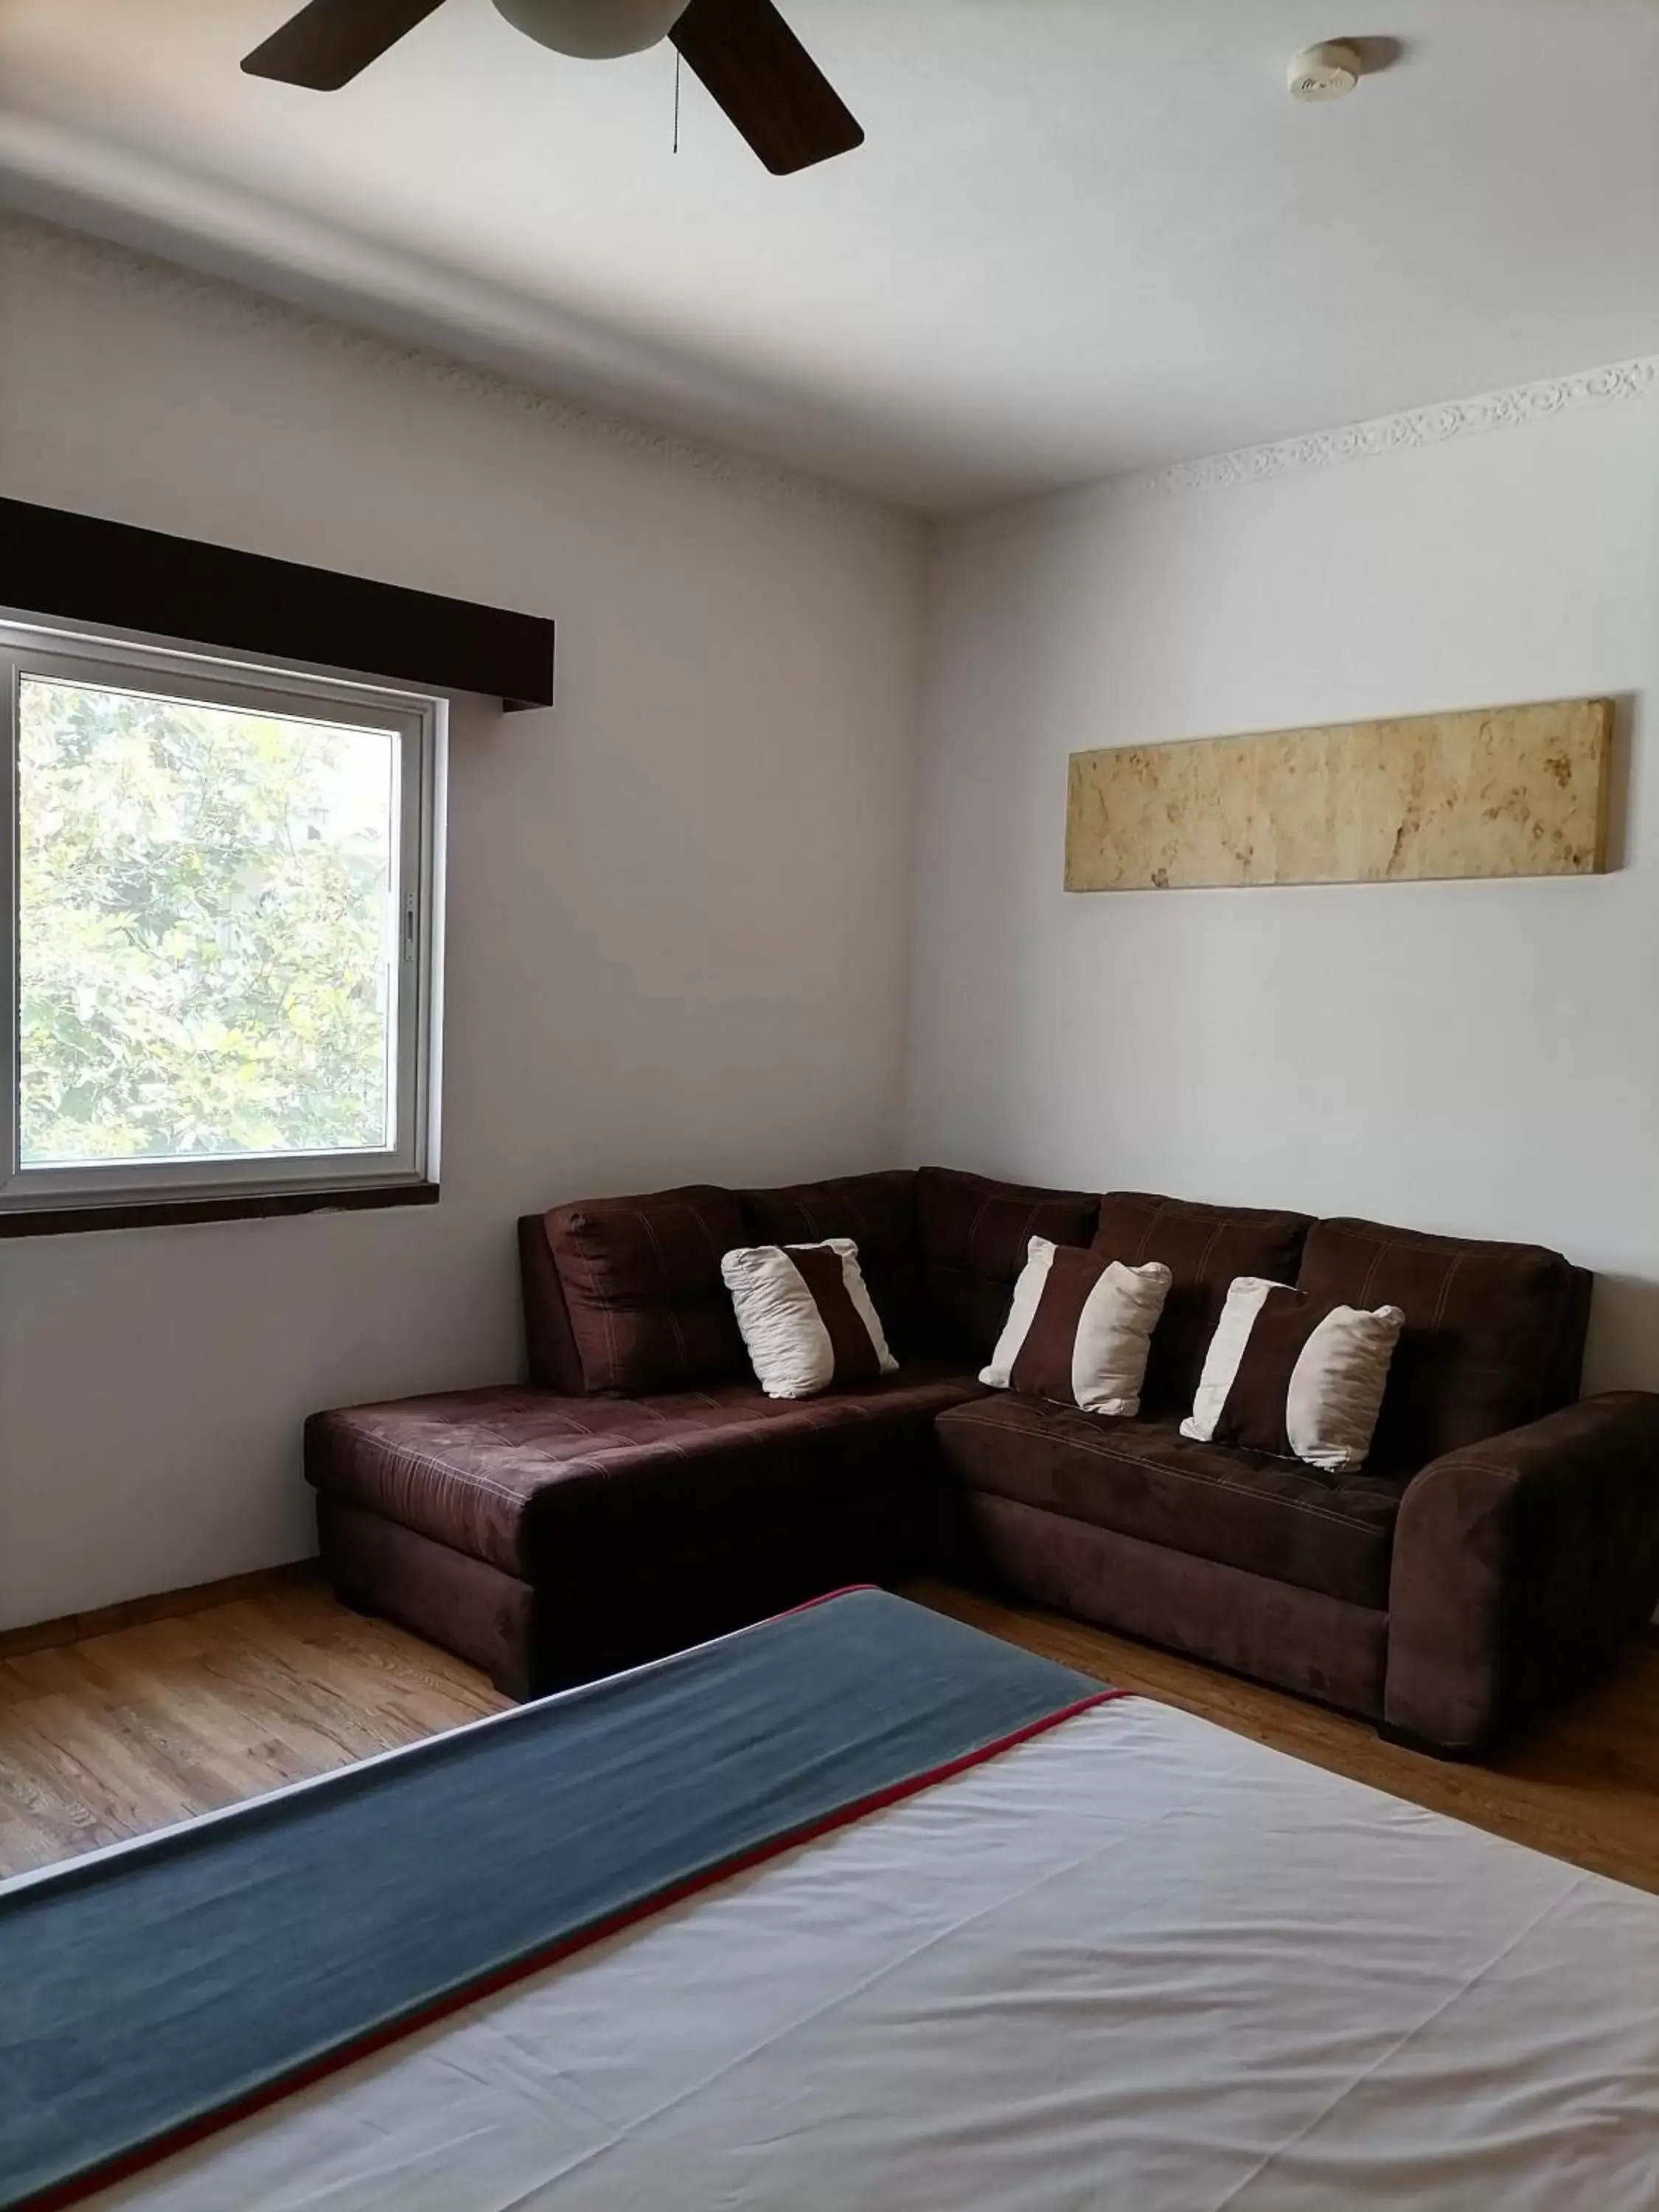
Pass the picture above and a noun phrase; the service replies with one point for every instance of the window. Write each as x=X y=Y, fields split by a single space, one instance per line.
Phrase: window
x=219 y=890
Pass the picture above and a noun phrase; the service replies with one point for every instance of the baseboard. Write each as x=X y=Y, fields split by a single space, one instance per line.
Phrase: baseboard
x=165 y=1604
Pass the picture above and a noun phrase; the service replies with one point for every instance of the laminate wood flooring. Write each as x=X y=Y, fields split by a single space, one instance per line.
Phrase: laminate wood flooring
x=116 y=1734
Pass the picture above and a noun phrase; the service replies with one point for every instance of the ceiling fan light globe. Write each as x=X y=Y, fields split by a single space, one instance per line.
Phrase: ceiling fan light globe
x=593 y=30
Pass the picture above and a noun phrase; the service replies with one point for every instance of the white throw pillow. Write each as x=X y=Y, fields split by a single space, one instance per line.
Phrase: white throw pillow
x=806 y=1317
x=1079 y=1328
x=1287 y=1376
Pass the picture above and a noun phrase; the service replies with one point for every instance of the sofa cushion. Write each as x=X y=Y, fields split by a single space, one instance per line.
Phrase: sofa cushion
x=529 y=1482
x=1077 y=1329
x=1288 y=1376
x=1144 y=1478
x=642 y=1288
x=1481 y=1348
x=975 y=1234
x=879 y=1212
x=1204 y=1247
x=805 y=1316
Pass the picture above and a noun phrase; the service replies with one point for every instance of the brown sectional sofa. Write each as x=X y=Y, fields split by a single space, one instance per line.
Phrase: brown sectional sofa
x=640 y=1492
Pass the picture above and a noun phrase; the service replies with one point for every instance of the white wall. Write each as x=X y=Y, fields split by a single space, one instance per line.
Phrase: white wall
x=679 y=902
x=1475 y=1057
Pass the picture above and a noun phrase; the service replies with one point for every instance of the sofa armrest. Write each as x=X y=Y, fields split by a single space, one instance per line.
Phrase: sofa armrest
x=1520 y=1565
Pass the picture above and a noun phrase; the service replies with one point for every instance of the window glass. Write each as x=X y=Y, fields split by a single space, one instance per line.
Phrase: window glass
x=208 y=903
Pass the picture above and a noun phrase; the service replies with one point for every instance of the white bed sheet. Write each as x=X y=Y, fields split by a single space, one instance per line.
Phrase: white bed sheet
x=1137 y=1963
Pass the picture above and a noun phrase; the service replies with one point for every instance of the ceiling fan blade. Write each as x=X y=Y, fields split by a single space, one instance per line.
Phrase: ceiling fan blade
x=769 y=86
x=325 y=45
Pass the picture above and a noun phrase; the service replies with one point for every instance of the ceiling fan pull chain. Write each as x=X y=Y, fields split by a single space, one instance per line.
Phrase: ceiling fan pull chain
x=676 y=99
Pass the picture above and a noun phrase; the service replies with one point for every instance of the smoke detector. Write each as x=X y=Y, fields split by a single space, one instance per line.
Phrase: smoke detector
x=1325 y=71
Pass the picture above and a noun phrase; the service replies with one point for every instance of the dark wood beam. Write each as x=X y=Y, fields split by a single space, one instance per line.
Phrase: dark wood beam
x=80 y=569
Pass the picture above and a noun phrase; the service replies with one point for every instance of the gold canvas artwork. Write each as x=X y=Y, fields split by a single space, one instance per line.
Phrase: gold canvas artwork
x=1495 y=791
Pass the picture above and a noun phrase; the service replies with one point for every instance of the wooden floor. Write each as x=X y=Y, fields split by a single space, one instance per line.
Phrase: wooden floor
x=117 y=1733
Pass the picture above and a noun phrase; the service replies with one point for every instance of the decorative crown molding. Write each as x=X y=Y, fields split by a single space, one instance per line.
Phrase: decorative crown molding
x=81 y=259
x=1391 y=434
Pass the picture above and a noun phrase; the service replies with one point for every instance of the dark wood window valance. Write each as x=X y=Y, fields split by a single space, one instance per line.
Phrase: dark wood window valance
x=76 y=567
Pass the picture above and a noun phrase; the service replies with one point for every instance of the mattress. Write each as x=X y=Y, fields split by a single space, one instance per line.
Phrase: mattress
x=1136 y=1962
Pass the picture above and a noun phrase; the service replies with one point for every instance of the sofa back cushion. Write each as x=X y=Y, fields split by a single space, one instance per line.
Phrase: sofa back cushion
x=642 y=1289
x=553 y=1360
x=1485 y=1346
x=879 y=1212
x=975 y=1234
x=1205 y=1249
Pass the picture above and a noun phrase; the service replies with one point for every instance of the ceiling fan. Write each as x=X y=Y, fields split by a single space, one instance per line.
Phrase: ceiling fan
x=743 y=51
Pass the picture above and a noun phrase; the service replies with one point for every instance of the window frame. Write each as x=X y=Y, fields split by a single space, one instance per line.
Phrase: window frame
x=253 y=1183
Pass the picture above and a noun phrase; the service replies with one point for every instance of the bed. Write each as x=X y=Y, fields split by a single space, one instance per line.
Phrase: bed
x=1126 y=1960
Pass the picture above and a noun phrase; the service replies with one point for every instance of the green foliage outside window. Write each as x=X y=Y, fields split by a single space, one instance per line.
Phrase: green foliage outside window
x=204 y=929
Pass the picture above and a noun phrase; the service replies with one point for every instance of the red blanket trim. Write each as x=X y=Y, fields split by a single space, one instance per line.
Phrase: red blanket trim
x=305 y=2077
x=825 y=1597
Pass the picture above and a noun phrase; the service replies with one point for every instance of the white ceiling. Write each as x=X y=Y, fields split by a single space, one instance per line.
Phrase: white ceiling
x=1084 y=236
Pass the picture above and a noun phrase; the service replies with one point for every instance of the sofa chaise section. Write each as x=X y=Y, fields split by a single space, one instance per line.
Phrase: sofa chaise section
x=548 y=1539
x=643 y=1492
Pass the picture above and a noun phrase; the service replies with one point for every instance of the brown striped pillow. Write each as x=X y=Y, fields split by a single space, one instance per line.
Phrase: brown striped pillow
x=805 y=1316
x=1295 y=1376
x=1079 y=1328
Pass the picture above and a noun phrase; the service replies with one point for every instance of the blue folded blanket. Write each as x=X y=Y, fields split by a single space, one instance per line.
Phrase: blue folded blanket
x=154 y=1993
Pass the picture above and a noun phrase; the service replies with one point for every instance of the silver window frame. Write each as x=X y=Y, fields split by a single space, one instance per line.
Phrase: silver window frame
x=419 y=721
